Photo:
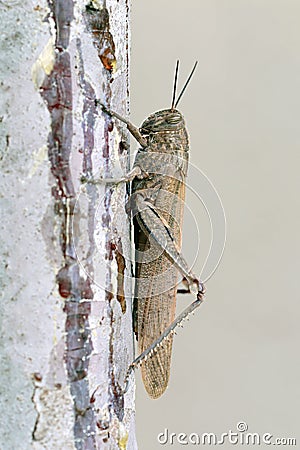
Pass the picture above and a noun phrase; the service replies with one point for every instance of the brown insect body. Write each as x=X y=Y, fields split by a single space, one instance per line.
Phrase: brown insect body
x=156 y=204
x=164 y=160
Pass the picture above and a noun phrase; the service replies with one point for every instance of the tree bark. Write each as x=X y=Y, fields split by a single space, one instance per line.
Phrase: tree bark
x=66 y=311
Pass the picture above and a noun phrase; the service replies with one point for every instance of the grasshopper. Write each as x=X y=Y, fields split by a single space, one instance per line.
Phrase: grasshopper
x=156 y=203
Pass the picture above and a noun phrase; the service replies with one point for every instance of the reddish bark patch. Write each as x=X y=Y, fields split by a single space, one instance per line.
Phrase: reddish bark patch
x=120 y=281
x=97 y=21
x=57 y=94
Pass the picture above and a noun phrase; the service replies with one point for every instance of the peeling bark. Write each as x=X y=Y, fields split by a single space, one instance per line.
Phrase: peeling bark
x=77 y=241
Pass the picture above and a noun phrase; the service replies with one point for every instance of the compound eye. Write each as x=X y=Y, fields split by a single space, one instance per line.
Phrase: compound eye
x=173 y=119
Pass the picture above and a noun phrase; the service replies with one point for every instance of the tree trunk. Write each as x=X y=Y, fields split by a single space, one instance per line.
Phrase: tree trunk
x=66 y=312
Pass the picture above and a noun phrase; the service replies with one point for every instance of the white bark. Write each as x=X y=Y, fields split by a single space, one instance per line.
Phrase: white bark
x=66 y=330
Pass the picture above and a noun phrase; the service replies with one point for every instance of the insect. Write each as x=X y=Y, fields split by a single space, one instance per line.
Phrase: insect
x=156 y=203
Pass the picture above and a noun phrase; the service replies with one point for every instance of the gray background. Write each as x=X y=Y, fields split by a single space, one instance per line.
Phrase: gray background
x=238 y=357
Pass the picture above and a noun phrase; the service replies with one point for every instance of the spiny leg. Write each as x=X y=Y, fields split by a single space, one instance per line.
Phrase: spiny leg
x=131 y=128
x=168 y=331
x=136 y=172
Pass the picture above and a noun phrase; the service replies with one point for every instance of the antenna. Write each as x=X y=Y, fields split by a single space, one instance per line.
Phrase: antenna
x=175 y=84
x=186 y=83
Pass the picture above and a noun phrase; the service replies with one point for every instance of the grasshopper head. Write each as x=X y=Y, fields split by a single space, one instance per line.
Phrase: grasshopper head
x=165 y=120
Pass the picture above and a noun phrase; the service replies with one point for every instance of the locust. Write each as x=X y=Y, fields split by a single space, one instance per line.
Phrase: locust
x=156 y=204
